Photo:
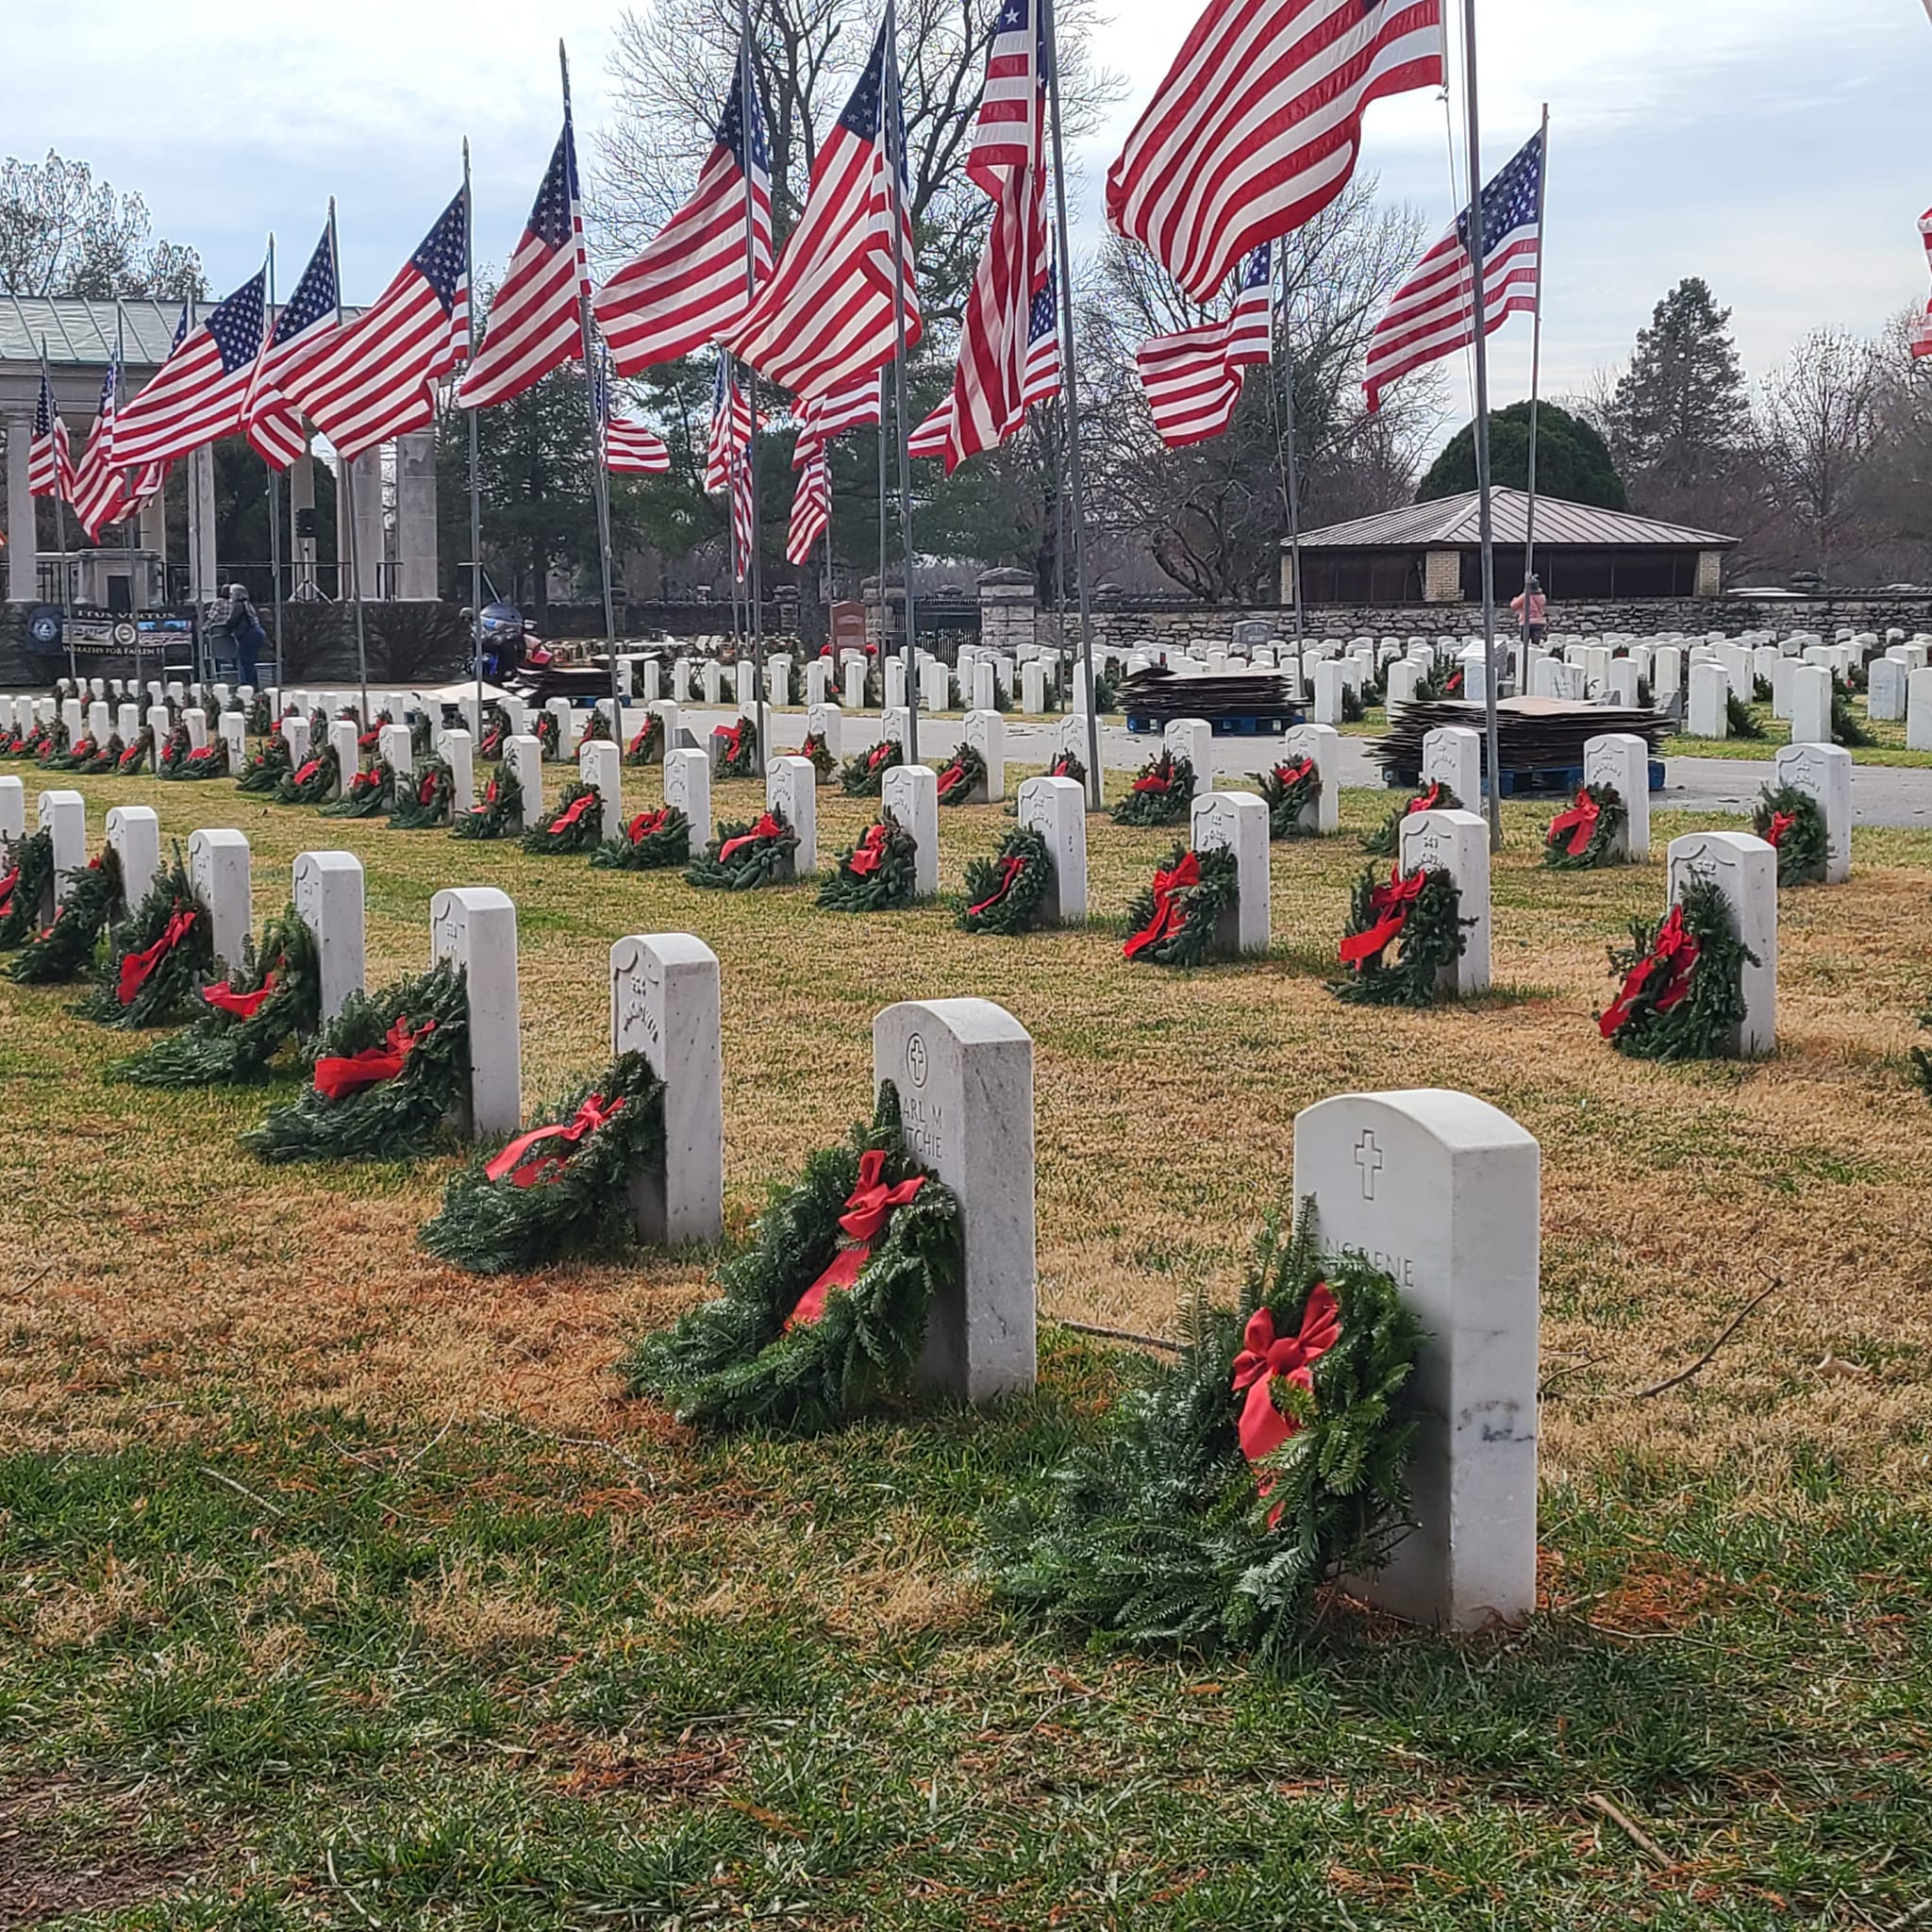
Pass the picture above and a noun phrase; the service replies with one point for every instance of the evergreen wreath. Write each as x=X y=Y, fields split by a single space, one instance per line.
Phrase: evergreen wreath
x=72 y=756
x=501 y=812
x=210 y=761
x=175 y=750
x=371 y=793
x=1162 y=792
x=313 y=781
x=1791 y=823
x=53 y=746
x=864 y=775
x=496 y=733
x=27 y=877
x=1174 y=921
x=1584 y=836
x=367 y=741
x=269 y=766
x=549 y=735
x=1845 y=728
x=428 y=799
x=66 y=949
x=1386 y=839
x=261 y=722
x=647 y=744
x=1434 y=686
x=1355 y=706
x=965 y=776
x=652 y=842
x=562 y=1187
x=390 y=1069
x=824 y=1316
x=744 y=857
x=1290 y=791
x=39 y=744
x=154 y=957
x=1228 y=1486
x=1422 y=911
x=1065 y=765
x=1740 y=721
x=1683 y=982
x=273 y=996
x=597 y=730
x=879 y=874
x=107 y=758
x=1003 y=894
x=735 y=750
x=823 y=763
x=574 y=823
x=318 y=727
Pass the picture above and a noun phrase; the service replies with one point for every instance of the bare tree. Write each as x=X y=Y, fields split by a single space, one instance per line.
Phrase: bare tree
x=1817 y=430
x=64 y=233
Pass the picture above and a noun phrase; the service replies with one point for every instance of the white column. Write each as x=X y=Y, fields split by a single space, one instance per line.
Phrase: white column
x=476 y=926
x=416 y=565
x=22 y=577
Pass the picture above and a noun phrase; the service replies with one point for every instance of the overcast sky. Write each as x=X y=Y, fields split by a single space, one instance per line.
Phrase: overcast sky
x=1775 y=147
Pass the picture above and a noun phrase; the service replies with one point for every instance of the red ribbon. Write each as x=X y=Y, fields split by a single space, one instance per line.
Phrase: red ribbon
x=1455 y=683
x=132 y=756
x=1168 y=915
x=1676 y=951
x=879 y=754
x=489 y=792
x=340 y=1074
x=1286 y=775
x=1423 y=800
x=572 y=813
x=201 y=756
x=870 y=853
x=426 y=792
x=952 y=776
x=85 y=749
x=767 y=828
x=138 y=968
x=1781 y=822
x=868 y=1207
x=243 y=1006
x=644 y=825
x=7 y=885
x=309 y=768
x=368 y=741
x=732 y=734
x=1391 y=904
x=1010 y=868
x=1159 y=779
x=1263 y=1428
x=642 y=737
x=1579 y=821
x=524 y=1172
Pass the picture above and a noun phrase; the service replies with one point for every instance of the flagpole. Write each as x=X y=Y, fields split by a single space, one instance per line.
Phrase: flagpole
x=882 y=537
x=274 y=494
x=1069 y=389
x=475 y=457
x=1294 y=482
x=1485 y=523
x=346 y=505
x=1535 y=370
x=59 y=514
x=889 y=107
x=600 y=477
x=755 y=577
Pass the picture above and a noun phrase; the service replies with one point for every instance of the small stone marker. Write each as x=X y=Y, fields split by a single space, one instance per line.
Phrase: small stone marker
x=600 y=763
x=778 y=677
x=1919 y=709
x=1710 y=686
x=964 y=1071
x=818 y=681
x=559 y=709
x=827 y=721
x=1459 y=842
x=294 y=732
x=1621 y=759
x=895 y=725
x=671 y=714
x=665 y=1005
x=1884 y=696
x=128 y=724
x=217 y=870
x=853 y=685
x=1057 y=809
x=342 y=736
x=1237 y=822
x=525 y=757
x=1442 y=1192
x=1193 y=739
x=459 y=755
x=1453 y=756
x=196 y=720
x=74 y=721
x=1824 y=773
x=791 y=791
x=476 y=926
x=64 y=814
x=12 y=811
x=134 y=835
x=1330 y=678
x=100 y=722
x=680 y=681
x=327 y=894
x=911 y=795
x=1033 y=688
x=1322 y=744
x=648 y=680
x=234 y=730
x=986 y=732
x=1744 y=870
x=1810 y=705
x=688 y=787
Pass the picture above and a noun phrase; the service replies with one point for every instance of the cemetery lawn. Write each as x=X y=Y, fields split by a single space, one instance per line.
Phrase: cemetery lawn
x=1890 y=748
x=345 y=1591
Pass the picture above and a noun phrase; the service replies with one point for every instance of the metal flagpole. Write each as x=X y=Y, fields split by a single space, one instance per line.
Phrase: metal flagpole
x=345 y=506
x=895 y=159
x=1295 y=480
x=1484 y=520
x=600 y=477
x=1536 y=371
x=755 y=577
x=274 y=493
x=475 y=455
x=882 y=537
x=1069 y=389
x=60 y=516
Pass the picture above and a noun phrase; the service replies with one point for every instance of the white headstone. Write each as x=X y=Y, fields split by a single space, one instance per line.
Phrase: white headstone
x=1810 y=705
x=748 y=676
x=665 y=1003
x=128 y=724
x=1621 y=682
x=342 y=738
x=1884 y=696
x=1192 y=738
x=1057 y=809
x=1458 y=842
x=911 y=795
x=234 y=730
x=1744 y=870
x=1033 y=688
x=1919 y=710
x=647 y=680
x=217 y=870
x=1453 y=756
x=134 y=834
x=1322 y=743
x=792 y=793
x=74 y=721
x=985 y=686
x=1330 y=680
x=459 y=755
x=12 y=811
x=1404 y=676
x=986 y=732
x=1442 y=1192
x=1781 y=688
x=852 y=684
x=827 y=721
x=895 y=725
x=934 y=686
x=525 y=757
x=559 y=709
x=600 y=763
x=516 y=717
x=680 y=681
x=294 y=732
x=1548 y=678
x=100 y=722
x=1824 y=773
x=778 y=677
x=1237 y=822
x=196 y=720
x=1621 y=759
x=476 y=926
x=1710 y=686
x=688 y=789
x=64 y=814
x=895 y=683
x=328 y=901
x=964 y=1071
x=627 y=678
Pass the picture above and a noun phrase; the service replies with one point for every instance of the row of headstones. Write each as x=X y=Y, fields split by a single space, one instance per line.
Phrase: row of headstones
x=981 y=680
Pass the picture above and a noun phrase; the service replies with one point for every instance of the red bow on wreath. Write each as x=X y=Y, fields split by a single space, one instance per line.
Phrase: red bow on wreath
x=368 y=741
x=138 y=968
x=340 y=1074
x=1579 y=821
x=7 y=885
x=308 y=770
x=1263 y=1428
x=870 y=853
x=645 y=823
x=1781 y=822
x=1159 y=779
x=572 y=813
x=767 y=828
x=426 y=792
x=243 y=1006
x=1423 y=800
x=1010 y=868
x=1169 y=915
x=1455 y=683
x=868 y=1207
x=1675 y=952
x=732 y=734
x=207 y=751
x=878 y=755
x=489 y=792
x=642 y=737
x=1286 y=775
x=527 y=1171
x=1392 y=904
x=954 y=775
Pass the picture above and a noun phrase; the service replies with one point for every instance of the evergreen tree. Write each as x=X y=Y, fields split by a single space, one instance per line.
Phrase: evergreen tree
x=1678 y=413
x=1573 y=461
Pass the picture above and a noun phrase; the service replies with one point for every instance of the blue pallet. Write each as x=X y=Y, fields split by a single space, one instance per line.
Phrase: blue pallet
x=1262 y=724
x=1559 y=780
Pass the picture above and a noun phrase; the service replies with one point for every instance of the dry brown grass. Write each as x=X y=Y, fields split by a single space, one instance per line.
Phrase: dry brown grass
x=152 y=1263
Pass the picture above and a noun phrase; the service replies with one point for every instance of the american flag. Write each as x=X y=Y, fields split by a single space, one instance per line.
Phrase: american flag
x=197 y=393
x=302 y=324
x=375 y=377
x=1043 y=343
x=933 y=434
x=826 y=317
x=630 y=447
x=812 y=509
x=1256 y=127
x=1194 y=377
x=100 y=494
x=1430 y=315
x=858 y=406
x=1921 y=327
x=689 y=285
x=731 y=426
x=49 y=461
x=745 y=525
x=535 y=318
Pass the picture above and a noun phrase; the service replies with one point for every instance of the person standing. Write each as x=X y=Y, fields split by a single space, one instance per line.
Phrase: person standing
x=244 y=629
x=1534 y=608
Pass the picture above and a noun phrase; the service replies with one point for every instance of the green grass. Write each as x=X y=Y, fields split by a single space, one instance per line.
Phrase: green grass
x=1888 y=750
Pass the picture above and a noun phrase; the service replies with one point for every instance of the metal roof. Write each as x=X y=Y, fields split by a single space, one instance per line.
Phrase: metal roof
x=81 y=332
x=1449 y=523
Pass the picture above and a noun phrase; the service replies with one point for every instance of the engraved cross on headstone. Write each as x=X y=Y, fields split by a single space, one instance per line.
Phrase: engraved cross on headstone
x=1367 y=1157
